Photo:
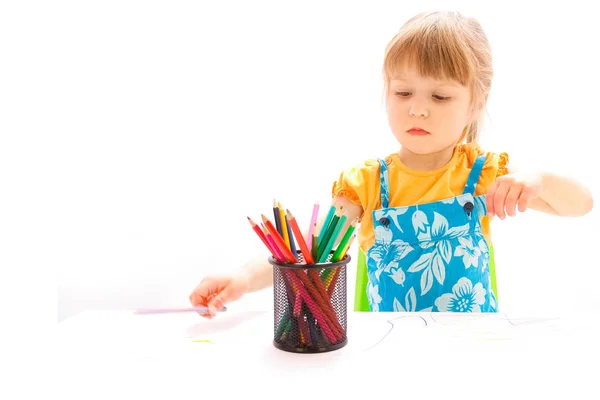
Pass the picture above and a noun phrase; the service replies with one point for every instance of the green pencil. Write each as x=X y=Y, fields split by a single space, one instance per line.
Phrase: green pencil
x=326 y=223
x=340 y=247
x=315 y=248
x=325 y=252
x=328 y=233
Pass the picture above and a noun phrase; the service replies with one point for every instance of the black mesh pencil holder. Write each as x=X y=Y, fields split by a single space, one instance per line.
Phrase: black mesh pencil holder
x=310 y=305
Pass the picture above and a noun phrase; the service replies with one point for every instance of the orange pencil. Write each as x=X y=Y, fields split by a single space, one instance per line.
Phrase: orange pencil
x=278 y=240
x=299 y=238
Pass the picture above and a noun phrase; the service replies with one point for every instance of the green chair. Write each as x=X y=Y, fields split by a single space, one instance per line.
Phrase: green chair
x=361 y=302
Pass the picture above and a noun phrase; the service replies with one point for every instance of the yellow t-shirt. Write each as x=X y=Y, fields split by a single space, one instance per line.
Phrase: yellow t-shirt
x=361 y=185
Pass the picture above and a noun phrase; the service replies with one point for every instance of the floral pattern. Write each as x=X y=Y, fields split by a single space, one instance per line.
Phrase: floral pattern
x=464 y=297
x=431 y=257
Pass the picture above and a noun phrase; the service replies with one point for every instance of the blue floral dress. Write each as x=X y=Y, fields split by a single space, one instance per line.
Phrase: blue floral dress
x=432 y=256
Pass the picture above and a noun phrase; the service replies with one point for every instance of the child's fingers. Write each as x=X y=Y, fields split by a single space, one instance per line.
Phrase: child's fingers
x=500 y=199
x=218 y=301
x=197 y=299
x=201 y=295
x=526 y=196
x=490 y=199
x=511 y=200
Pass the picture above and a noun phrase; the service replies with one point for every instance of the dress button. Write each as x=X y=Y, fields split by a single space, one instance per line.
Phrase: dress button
x=468 y=207
x=384 y=221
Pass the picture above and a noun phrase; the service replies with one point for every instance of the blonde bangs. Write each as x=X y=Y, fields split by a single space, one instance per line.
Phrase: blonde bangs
x=435 y=47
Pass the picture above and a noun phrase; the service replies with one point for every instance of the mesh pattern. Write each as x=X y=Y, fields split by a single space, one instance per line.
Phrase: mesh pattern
x=310 y=306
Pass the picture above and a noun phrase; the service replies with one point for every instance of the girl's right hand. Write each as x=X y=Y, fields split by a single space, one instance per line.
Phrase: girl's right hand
x=214 y=292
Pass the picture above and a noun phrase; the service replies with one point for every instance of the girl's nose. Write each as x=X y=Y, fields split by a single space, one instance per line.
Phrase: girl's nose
x=418 y=110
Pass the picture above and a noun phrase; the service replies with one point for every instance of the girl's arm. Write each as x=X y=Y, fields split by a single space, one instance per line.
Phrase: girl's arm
x=546 y=192
x=562 y=196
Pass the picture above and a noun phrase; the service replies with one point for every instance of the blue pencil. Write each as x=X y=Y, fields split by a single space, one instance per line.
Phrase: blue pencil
x=277 y=217
x=292 y=245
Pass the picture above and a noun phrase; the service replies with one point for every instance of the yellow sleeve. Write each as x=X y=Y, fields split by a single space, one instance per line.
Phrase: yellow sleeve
x=502 y=165
x=358 y=184
x=494 y=167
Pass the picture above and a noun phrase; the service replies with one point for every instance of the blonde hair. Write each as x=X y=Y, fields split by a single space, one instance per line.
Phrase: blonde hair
x=445 y=45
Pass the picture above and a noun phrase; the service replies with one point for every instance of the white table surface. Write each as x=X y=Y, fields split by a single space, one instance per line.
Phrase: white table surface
x=116 y=354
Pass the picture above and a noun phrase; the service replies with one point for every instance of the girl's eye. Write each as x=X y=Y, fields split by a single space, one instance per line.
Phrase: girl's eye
x=403 y=94
x=441 y=98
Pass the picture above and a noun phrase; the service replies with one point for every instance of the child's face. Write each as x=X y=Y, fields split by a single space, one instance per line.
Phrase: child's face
x=441 y=108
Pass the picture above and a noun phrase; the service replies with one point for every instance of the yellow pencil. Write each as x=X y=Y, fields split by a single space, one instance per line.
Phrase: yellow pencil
x=286 y=237
x=347 y=246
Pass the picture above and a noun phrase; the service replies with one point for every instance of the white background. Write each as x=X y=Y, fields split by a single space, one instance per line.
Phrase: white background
x=137 y=136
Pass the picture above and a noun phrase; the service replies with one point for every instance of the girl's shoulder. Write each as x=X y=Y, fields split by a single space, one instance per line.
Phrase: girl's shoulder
x=495 y=163
x=359 y=181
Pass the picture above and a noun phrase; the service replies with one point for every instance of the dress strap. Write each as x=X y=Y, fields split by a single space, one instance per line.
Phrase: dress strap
x=385 y=183
x=474 y=175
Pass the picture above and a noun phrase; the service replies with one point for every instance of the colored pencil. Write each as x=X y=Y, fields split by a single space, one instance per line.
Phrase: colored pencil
x=304 y=334
x=326 y=222
x=292 y=297
x=198 y=309
x=278 y=254
x=332 y=279
x=315 y=247
x=340 y=247
x=336 y=232
x=313 y=225
x=322 y=318
x=261 y=235
x=330 y=229
x=278 y=240
x=321 y=301
x=277 y=217
x=286 y=238
x=301 y=243
x=312 y=326
x=291 y=238
x=347 y=246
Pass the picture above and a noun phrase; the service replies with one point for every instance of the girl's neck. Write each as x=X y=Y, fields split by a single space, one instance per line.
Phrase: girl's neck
x=426 y=162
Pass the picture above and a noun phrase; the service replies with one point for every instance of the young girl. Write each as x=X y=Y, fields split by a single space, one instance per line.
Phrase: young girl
x=425 y=210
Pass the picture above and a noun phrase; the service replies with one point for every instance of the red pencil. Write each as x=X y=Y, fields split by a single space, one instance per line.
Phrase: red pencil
x=299 y=238
x=261 y=235
x=279 y=240
x=278 y=255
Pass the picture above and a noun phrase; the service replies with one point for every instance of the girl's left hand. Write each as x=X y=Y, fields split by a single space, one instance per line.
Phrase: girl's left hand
x=512 y=190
